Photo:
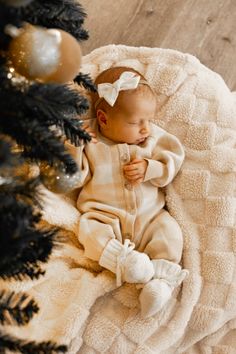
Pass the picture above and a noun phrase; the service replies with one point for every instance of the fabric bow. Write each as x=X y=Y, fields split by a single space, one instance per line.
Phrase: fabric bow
x=128 y=247
x=127 y=81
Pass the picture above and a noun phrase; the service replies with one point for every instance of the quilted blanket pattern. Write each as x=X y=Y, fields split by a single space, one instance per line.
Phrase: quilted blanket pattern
x=80 y=304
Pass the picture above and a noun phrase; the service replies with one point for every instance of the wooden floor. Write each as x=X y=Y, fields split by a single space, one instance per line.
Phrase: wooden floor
x=204 y=28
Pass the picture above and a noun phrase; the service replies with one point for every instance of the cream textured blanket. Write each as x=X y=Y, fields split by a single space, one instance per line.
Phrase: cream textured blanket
x=79 y=302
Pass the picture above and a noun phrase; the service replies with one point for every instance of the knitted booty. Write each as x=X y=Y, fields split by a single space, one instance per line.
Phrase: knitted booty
x=129 y=265
x=157 y=292
x=137 y=268
x=153 y=297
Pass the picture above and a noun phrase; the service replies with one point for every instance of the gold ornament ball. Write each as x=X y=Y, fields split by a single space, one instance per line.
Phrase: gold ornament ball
x=46 y=55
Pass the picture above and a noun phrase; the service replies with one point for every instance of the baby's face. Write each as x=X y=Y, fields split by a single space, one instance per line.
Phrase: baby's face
x=129 y=122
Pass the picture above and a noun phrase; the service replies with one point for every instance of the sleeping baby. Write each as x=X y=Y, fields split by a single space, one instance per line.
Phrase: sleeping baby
x=123 y=224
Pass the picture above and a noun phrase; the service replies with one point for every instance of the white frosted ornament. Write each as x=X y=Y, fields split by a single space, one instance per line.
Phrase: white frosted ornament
x=46 y=55
x=58 y=181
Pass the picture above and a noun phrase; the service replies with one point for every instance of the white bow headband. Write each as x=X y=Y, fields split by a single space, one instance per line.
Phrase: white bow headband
x=109 y=92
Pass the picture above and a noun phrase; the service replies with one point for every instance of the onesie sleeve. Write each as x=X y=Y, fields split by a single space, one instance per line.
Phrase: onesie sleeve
x=167 y=158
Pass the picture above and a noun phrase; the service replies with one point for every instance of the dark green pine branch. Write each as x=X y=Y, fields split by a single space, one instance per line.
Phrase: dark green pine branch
x=37 y=109
x=7 y=158
x=16 y=309
x=20 y=189
x=42 y=144
x=67 y=15
x=21 y=346
x=86 y=81
x=23 y=245
x=25 y=256
x=37 y=117
x=38 y=142
x=52 y=102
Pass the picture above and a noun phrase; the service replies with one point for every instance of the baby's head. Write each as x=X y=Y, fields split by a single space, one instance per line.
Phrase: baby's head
x=124 y=106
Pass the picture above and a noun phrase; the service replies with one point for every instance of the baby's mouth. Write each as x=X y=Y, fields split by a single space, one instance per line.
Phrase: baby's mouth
x=140 y=141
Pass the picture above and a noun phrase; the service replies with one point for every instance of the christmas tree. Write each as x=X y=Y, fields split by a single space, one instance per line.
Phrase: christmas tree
x=39 y=109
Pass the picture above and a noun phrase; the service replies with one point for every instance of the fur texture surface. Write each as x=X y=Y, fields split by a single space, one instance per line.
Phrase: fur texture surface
x=80 y=304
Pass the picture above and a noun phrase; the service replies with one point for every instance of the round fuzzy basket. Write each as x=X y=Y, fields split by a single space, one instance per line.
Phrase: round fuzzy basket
x=80 y=304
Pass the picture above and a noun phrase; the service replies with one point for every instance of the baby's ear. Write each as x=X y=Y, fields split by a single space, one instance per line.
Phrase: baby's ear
x=102 y=118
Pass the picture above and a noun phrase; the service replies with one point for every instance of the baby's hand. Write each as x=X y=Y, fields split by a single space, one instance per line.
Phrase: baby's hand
x=135 y=171
x=88 y=130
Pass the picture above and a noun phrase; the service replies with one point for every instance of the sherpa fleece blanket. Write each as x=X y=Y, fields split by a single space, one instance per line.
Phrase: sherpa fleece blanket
x=79 y=303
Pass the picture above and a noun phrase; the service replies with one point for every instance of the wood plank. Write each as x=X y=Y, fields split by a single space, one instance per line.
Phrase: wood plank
x=203 y=28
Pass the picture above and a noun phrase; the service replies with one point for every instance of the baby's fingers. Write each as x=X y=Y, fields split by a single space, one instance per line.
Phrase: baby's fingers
x=131 y=167
x=131 y=172
x=133 y=176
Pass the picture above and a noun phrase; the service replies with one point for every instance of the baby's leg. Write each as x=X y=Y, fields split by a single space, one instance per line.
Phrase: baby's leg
x=95 y=230
x=163 y=242
x=163 y=238
x=100 y=234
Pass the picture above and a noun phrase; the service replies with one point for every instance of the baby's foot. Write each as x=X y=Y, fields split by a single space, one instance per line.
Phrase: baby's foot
x=154 y=296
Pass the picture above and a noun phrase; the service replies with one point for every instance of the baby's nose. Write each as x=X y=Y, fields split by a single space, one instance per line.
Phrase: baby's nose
x=145 y=128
